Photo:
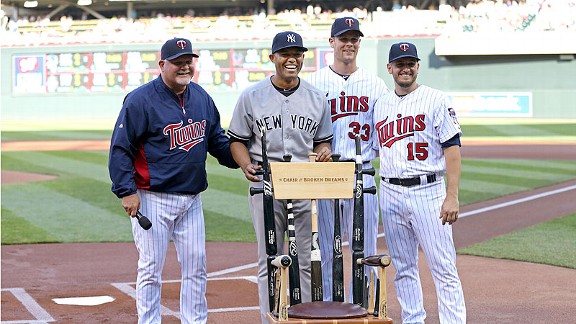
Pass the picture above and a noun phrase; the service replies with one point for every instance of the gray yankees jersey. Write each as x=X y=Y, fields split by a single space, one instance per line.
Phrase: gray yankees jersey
x=292 y=123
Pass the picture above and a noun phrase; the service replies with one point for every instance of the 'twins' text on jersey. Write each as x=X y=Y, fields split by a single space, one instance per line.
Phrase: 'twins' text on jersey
x=411 y=129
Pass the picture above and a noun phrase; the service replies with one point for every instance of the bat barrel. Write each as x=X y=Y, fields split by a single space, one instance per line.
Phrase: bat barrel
x=256 y=191
x=281 y=261
x=271 y=282
x=370 y=171
x=370 y=190
x=357 y=279
x=382 y=260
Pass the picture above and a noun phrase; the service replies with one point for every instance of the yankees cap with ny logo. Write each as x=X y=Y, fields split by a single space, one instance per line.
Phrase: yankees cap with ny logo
x=287 y=39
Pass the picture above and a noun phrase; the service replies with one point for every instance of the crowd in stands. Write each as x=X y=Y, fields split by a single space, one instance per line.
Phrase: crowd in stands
x=312 y=21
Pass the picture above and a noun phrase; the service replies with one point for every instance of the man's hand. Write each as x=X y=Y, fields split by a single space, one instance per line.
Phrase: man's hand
x=131 y=204
x=449 y=211
x=250 y=172
x=323 y=152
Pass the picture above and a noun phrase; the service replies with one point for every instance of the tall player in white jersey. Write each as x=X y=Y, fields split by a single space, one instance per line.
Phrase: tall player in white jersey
x=418 y=137
x=351 y=92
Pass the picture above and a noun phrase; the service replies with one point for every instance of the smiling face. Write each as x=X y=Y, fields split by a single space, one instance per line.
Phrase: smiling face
x=404 y=71
x=288 y=63
x=346 y=46
x=178 y=72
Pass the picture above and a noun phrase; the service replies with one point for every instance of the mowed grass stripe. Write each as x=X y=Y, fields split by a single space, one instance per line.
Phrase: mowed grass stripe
x=550 y=166
x=18 y=230
x=65 y=166
x=226 y=203
x=57 y=135
x=212 y=167
x=481 y=186
x=64 y=217
x=220 y=227
x=512 y=172
x=521 y=130
x=551 y=242
x=96 y=157
x=471 y=196
x=507 y=180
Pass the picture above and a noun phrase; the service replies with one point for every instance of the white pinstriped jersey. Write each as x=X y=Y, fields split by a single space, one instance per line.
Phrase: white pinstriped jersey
x=352 y=106
x=410 y=130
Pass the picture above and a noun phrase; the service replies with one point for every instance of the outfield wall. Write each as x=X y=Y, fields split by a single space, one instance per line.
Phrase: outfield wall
x=547 y=80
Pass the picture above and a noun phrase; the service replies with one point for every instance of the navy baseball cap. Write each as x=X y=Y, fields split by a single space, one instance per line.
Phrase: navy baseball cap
x=344 y=24
x=400 y=50
x=176 y=47
x=287 y=39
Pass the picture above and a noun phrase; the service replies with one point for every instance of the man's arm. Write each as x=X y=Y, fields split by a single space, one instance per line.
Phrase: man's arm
x=451 y=205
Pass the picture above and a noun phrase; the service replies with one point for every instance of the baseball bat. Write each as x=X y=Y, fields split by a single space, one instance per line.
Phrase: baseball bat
x=281 y=262
x=143 y=221
x=370 y=303
x=294 y=271
x=380 y=261
x=315 y=258
x=377 y=299
x=337 y=259
x=271 y=282
x=382 y=298
x=269 y=223
x=358 y=230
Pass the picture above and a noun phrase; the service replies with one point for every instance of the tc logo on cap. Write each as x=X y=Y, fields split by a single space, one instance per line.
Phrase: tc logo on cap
x=400 y=50
x=181 y=44
x=349 y=22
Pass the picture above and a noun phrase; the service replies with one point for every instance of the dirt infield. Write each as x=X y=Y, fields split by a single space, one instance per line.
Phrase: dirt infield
x=498 y=291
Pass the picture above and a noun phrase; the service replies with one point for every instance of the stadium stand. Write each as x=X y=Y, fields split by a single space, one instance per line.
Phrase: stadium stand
x=470 y=16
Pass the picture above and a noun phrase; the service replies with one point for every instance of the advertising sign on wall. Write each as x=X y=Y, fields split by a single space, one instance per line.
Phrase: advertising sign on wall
x=499 y=104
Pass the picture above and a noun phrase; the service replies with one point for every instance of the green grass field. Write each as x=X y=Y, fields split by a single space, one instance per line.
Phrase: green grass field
x=79 y=207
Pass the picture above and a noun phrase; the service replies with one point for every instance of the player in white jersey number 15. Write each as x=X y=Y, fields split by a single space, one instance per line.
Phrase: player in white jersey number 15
x=418 y=137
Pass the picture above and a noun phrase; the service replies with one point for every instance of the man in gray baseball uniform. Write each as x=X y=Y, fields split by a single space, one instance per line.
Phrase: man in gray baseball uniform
x=419 y=143
x=351 y=92
x=296 y=119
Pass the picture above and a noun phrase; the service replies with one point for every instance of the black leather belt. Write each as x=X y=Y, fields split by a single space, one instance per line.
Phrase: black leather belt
x=409 y=182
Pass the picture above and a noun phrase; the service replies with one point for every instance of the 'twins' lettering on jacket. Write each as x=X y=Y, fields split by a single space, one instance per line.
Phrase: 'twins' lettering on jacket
x=160 y=141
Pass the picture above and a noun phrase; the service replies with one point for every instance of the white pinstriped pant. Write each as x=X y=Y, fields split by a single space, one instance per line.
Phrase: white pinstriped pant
x=326 y=233
x=178 y=217
x=410 y=216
